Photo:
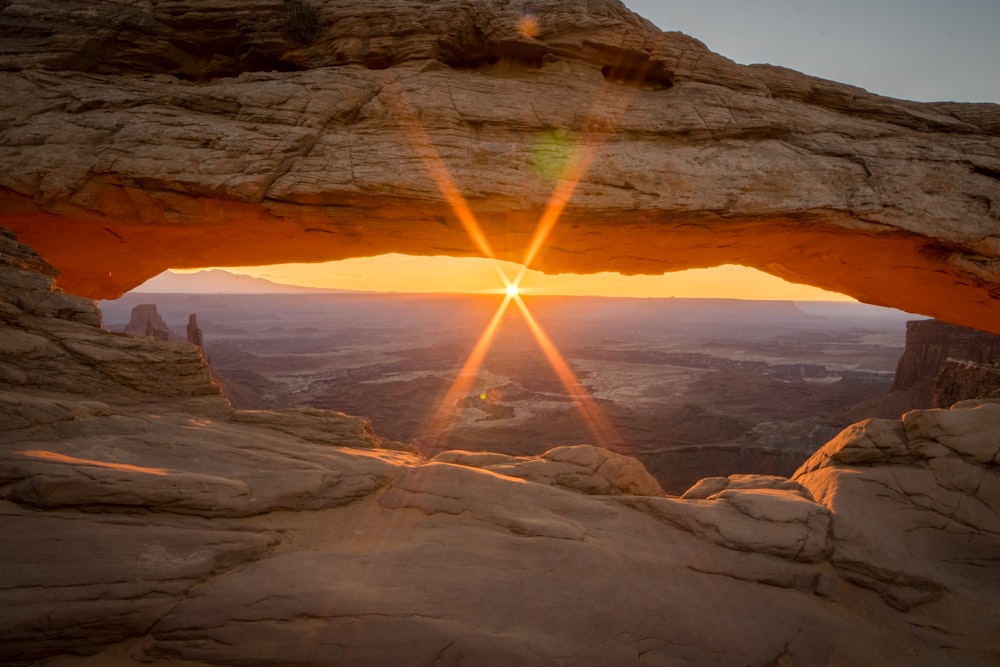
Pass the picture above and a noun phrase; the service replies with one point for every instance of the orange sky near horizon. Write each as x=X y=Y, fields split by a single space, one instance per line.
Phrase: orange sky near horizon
x=418 y=274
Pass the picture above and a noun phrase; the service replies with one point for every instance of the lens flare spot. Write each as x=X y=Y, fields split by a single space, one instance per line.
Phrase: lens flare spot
x=528 y=26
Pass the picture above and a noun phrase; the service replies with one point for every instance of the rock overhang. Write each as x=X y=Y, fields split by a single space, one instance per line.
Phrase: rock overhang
x=124 y=160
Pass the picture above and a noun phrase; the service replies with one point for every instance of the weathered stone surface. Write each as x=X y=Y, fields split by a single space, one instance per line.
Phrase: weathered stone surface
x=583 y=468
x=712 y=486
x=149 y=133
x=481 y=592
x=52 y=341
x=187 y=453
x=966 y=380
x=770 y=521
x=969 y=433
x=180 y=463
x=76 y=583
x=323 y=427
x=933 y=482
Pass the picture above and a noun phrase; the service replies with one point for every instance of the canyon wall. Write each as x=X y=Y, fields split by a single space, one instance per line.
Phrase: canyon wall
x=137 y=137
x=931 y=347
x=960 y=380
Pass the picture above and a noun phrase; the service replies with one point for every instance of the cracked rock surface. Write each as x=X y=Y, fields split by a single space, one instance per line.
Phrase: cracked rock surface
x=145 y=522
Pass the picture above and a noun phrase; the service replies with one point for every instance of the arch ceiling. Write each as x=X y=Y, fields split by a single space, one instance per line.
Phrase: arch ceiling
x=139 y=137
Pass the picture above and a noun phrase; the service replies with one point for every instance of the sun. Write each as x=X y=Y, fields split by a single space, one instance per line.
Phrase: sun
x=512 y=290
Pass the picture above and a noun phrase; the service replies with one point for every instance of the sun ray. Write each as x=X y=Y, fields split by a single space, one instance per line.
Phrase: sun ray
x=466 y=377
x=605 y=113
x=435 y=166
x=577 y=168
x=592 y=415
x=602 y=117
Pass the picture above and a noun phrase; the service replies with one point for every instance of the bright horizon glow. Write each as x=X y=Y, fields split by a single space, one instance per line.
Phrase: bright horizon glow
x=512 y=290
x=440 y=274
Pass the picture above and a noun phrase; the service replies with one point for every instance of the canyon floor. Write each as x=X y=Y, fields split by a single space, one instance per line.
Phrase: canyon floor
x=692 y=388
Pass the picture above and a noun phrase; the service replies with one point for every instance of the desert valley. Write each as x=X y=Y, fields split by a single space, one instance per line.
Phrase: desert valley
x=692 y=388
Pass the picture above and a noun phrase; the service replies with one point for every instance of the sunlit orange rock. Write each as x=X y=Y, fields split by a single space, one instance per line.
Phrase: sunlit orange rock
x=138 y=138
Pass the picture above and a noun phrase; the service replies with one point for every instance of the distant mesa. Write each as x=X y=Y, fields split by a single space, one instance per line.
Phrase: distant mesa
x=219 y=281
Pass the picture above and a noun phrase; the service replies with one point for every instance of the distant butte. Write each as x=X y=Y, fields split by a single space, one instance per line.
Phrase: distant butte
x=138 y=137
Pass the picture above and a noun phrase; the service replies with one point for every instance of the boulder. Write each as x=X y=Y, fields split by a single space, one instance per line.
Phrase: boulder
x=711 y=486
x=932 y=482
x=583 y=468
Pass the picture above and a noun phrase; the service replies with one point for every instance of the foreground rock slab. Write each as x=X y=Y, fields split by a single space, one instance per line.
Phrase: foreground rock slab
x=157 y=526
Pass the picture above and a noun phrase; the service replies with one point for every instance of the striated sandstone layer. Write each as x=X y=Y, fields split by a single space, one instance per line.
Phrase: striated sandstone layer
x=140 y=136
x=930 y=347
x=963 y=380
x=147 y=523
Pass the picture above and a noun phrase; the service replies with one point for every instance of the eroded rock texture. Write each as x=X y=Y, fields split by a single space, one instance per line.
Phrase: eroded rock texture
x=140 y=136
x=930 y=346
x=145 y=522
x=962 y=380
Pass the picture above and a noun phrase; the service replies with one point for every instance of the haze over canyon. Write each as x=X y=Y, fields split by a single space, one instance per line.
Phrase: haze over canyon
x=693 y=388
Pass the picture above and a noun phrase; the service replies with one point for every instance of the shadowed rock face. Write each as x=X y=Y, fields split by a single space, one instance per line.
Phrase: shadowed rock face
x=930 y=346
x=137 y=137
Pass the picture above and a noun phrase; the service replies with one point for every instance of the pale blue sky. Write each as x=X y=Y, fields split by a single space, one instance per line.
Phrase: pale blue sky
x=924 y=50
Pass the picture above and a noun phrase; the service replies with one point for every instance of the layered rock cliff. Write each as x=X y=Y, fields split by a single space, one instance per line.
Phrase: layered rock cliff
x=925 y=371
x=179 y=134
x=960 y=380
x=146 y=522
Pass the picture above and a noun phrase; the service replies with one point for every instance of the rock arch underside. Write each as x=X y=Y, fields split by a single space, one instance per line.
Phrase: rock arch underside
x=145 y=521
x=139 y=137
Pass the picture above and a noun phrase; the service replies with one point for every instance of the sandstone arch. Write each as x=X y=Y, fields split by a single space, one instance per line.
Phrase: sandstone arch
x=137 y=138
